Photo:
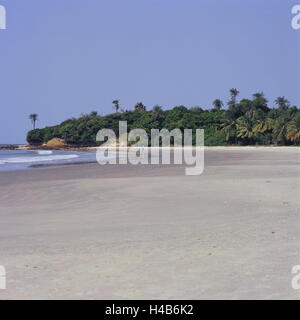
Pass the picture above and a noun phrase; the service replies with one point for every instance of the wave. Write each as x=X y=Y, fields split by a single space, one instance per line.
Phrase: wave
x=43 y=152
x=38 y=159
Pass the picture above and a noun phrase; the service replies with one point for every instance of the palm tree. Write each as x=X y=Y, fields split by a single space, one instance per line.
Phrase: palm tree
x=228 y=125
x=258 y=95
x=218 y=104
x=263 y=125
x=260 y=102
x=33 y=117
x=293 y=129
x=233 y=94
x=227 y=128
x=232 y=103
x=139 y=107
x=246 y=128
x=280 y=130
x=282 y=103
x=116 y=105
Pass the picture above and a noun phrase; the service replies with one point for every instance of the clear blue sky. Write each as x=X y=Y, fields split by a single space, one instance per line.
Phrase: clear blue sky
x=60 y=58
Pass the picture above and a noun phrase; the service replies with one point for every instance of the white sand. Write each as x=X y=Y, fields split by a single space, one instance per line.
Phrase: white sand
x=130 y=232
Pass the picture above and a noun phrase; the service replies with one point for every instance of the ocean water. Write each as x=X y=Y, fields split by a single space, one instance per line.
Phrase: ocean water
x=24 y=159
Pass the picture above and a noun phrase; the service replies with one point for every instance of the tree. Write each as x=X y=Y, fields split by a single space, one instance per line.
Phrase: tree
x=260 y=102
x=233 y=94
x=94 y=114
x=228 y=127
x=158 y=113
x=35 y=136
x=232 y=105
x=33 y=117
x=282 y=103
x=248 y=121
x=280 y=130
x=116 y=105
x=258 y=95
x=263 y=125
x=196 y=110
x=218 y=104
x=293 y=129
x=139 y=107
x=246 y=128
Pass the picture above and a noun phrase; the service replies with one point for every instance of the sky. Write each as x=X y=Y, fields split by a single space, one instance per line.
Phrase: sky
x=61 y=58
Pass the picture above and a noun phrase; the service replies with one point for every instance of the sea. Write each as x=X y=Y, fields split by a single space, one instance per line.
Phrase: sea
x=11 y=160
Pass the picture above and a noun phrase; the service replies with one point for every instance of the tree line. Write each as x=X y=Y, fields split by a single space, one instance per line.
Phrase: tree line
x=244 y=122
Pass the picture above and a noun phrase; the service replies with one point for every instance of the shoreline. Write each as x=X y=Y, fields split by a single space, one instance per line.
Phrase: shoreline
x=94 y=148
x=213 y=156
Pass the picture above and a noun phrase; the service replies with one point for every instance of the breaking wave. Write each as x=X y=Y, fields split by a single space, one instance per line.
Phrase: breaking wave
x=44 y=152
x=38 y=158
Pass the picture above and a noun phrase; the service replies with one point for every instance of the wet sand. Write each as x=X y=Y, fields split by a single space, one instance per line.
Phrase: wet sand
x=150 y=232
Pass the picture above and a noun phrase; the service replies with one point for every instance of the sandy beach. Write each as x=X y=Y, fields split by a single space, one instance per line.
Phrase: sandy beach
x=150 y=232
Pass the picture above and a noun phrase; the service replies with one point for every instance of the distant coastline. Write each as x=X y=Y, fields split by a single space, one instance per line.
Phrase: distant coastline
x=43 y=147
x=12 y=146
x=246 y=122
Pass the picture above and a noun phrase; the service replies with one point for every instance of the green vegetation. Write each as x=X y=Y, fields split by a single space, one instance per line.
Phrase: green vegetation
x=247 y=122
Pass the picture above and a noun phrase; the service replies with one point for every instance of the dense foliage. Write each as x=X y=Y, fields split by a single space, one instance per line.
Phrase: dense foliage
x=247 y=122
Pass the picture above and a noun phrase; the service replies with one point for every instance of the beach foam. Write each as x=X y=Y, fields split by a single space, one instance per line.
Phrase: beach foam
x=44 y=152
x=38 y=158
